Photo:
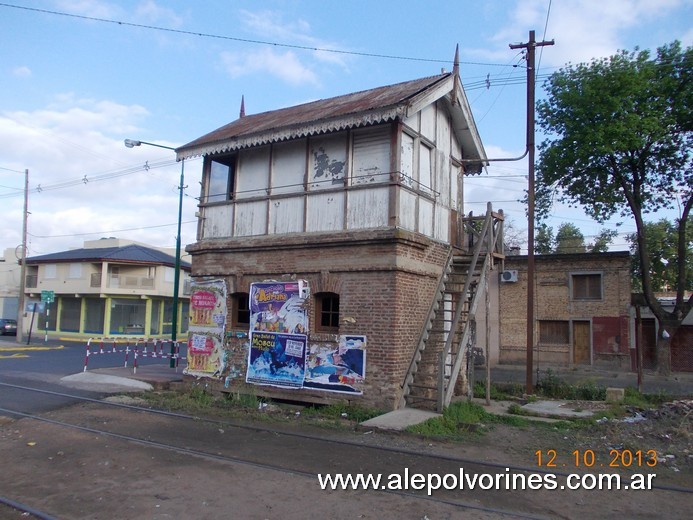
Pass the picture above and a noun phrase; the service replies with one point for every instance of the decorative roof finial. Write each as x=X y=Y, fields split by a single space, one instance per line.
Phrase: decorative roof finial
x=242 y=114
x=456 y=74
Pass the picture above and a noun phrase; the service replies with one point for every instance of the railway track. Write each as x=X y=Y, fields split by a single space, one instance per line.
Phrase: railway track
x=271 y=448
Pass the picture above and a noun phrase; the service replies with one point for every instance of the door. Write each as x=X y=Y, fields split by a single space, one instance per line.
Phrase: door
x=649 y=343
x=581 y=342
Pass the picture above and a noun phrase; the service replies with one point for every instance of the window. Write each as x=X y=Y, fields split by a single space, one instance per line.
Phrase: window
x=222 y=178
x=127 y=316
x=75 y=271
x=554 y=332
x=95 y=310
x=70 y=312
x=50 y=271
x=241 y=310
x=327 y=312
x=587 y=286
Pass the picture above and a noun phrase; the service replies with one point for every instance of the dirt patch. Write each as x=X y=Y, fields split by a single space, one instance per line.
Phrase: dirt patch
x=85 y=475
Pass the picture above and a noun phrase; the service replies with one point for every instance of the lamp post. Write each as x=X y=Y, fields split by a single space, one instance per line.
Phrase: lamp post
x=131 y=143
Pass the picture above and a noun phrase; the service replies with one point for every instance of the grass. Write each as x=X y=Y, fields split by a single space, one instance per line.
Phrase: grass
x=462 y=418
x=198 y=399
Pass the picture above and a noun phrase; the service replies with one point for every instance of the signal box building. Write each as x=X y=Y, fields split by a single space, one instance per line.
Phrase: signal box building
x=360 y=196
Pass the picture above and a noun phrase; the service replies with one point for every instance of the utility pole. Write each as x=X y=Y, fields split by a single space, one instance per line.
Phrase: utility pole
x=531 y=46
x=22 y=269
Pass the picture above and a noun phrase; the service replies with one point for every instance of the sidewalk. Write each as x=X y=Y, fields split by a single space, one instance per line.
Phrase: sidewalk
x=120 y=379
x=677 y=384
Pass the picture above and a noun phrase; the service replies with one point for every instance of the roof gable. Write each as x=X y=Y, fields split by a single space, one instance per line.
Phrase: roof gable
x=362 y=108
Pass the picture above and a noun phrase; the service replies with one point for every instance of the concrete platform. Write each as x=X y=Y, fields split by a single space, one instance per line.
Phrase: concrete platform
x=125 y=379
x=399 y=419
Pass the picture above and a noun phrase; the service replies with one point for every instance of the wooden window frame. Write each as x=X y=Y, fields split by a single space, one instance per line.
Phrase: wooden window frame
x=240 y=315
x=551 y=332
x=586 y=286
x=327 y=312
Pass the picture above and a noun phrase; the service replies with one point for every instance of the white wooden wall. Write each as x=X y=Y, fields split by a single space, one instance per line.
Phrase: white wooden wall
x=341 y=181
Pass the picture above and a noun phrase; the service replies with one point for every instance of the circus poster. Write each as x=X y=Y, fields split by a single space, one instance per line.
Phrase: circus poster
x=277 y=359
x=337 y=368
x=208 y=315
x=278 y=333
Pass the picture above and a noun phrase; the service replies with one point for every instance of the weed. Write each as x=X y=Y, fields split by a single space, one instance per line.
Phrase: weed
x=462 y=418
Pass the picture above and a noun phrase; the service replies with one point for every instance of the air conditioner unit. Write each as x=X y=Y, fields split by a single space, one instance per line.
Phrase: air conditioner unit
x=509 y=275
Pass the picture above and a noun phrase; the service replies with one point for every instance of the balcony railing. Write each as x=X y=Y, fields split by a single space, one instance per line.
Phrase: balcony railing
x=116 y=281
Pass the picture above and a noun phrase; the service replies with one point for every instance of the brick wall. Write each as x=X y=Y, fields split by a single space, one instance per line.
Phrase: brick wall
x=385 y=279
x=552 y=301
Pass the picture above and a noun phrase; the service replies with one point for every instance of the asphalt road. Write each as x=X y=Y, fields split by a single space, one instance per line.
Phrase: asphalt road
x=43 y=364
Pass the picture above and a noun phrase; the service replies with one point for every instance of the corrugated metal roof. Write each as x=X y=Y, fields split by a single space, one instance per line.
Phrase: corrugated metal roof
x=356 y=109
x=132 y=253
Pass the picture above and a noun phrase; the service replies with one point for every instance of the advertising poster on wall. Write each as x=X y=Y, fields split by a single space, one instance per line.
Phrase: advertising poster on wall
x=277 y=359
x=339 y=368
x=278 y=328
x=206 y=328
x=278 y=307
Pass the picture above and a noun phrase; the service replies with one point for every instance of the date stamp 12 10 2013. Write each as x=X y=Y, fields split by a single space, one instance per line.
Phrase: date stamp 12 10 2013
x=550 y=458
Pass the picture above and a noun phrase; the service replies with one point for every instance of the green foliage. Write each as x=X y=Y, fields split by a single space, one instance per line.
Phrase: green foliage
x=498 y=392
x=661 y=243
x=342 y=411
x=620 y=142
x=569 y=239
x=620 y=133
x=462 y=418
x=602 y=241
x=551 y=385
x=544 y=240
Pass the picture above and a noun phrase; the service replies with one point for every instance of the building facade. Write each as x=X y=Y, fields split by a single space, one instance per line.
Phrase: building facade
x=362 y=197
x=582 y=310
x=110 y=287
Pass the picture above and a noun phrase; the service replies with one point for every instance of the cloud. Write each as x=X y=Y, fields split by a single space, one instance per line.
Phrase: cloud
x=283 y=65
x=91 y=8
x=151 y=11
x=21 y=72
x=91 y=185
x=582 y=29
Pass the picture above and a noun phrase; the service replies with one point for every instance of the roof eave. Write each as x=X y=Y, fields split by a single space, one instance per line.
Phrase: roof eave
x=371 y=117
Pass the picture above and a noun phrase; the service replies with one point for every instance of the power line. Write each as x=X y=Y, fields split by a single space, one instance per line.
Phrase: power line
x=112 y=230
x=243 y=40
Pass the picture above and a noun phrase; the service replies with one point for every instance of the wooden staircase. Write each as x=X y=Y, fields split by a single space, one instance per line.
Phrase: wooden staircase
x=445 y=348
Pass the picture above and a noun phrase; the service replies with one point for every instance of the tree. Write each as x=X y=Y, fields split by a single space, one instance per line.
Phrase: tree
x=602 y=241
x=544 y=240
x=569 y=239
x=620 y=136
x=662 y=243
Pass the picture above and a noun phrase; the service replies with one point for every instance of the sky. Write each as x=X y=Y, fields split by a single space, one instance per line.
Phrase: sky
x=77 y=77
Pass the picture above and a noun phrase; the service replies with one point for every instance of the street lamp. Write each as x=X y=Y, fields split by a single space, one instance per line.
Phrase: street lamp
x=131 y=143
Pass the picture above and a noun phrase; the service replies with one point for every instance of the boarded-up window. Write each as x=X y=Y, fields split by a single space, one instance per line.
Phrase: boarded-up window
x=328 y=161
x=371 y=155
x=587 y=286
x=407 y=160
x=554 y=332
x=425 y=163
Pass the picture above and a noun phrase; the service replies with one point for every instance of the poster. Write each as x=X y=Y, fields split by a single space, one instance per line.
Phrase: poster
x=278 y=307
x=340 y=368
x=278 y=328
x=277 y=359
x=208 y=313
